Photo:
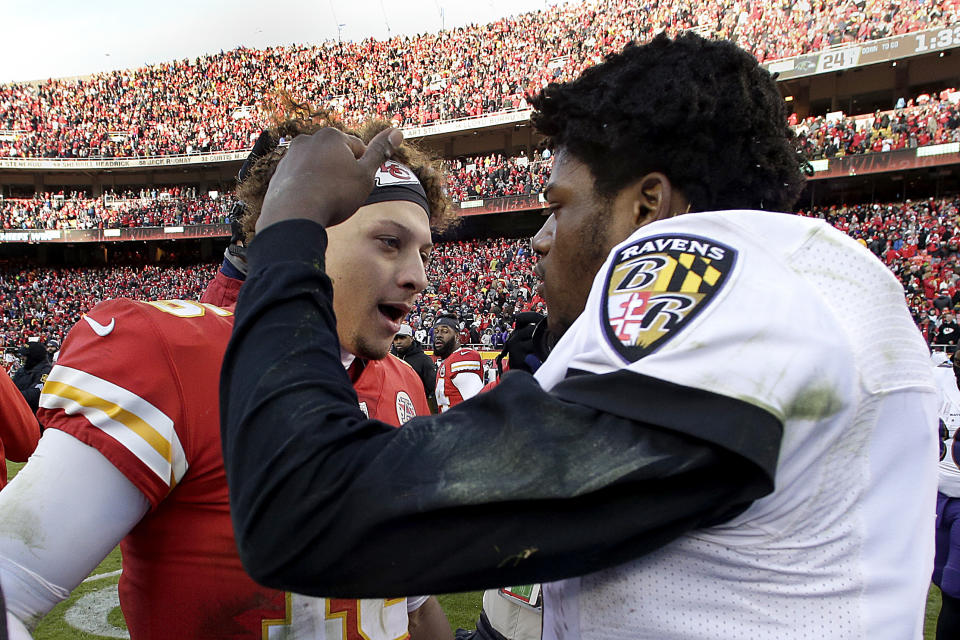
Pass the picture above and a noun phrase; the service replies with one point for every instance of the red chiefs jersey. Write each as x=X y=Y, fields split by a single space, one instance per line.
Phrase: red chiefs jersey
x=19 y=430
x=139 y=381
x=462 y=362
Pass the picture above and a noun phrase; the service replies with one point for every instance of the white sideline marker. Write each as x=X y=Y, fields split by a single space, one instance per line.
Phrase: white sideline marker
x=101 y=576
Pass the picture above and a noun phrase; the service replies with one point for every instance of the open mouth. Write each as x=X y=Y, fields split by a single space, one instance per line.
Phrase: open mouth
x=394 y=313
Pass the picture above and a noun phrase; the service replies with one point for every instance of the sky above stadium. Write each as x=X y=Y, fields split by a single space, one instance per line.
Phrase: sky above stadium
x=61 y=38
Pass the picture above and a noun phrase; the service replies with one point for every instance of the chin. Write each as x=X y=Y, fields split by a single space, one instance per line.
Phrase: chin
x=370 y=349
x=557 y=326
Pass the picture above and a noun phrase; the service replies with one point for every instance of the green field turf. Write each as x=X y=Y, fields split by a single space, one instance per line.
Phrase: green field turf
x=90 y=606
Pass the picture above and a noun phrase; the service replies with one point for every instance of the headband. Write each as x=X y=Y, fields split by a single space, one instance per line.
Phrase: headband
x=450 y=322
x=395 y=181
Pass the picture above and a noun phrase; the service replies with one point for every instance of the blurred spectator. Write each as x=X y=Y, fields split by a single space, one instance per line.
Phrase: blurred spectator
x=411 y=352
x=30 y=377
x=53 y=350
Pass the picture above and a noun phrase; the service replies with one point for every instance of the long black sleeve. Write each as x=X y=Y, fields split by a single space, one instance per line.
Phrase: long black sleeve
x=515 y=485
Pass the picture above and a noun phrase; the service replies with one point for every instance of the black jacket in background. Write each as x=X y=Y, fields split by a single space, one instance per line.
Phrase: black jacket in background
x=30 y=377
x=423 y=365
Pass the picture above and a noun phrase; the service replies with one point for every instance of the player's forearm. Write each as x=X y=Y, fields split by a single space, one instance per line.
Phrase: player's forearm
x=460 y=501
x=71 y=507
x=429 y=622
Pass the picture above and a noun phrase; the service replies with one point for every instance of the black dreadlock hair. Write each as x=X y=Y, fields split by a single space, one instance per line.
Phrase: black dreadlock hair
x=702 y=112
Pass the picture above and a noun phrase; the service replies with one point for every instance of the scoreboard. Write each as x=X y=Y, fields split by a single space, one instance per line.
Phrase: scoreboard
x=847 y=56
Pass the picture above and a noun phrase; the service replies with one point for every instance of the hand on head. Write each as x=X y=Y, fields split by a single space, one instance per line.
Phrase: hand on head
x=325 y=177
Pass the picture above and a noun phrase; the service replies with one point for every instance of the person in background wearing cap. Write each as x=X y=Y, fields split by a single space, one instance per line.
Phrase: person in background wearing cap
x=459 y=371
x=30 y=377
x=411 y=351
x=153 y=369
x=53 y=350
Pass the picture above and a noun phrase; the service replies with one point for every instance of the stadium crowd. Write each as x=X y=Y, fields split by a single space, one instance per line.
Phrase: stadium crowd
x=916 y=123
x=75 y=210
x=207 y=104
x=490 y=176
x=46 y=302
x=923 y=120
x=485 y=282
x=495 y=176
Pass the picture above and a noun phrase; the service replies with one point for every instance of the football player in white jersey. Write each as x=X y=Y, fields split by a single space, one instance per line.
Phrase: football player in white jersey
x=946 y=568
x=732 y=437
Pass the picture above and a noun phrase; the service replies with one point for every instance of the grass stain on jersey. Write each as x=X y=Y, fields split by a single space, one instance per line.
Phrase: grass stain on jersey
x=21 y=522
x=815 y=403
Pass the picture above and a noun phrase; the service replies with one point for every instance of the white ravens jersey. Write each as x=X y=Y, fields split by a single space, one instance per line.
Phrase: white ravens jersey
x=949 y=484
x=790 y=316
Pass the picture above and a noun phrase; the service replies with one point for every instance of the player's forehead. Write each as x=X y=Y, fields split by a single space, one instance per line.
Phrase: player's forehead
x=401 y=216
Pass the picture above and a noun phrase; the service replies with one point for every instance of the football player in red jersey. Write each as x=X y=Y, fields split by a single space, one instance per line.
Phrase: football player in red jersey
x=132 y=450
x=459 y=371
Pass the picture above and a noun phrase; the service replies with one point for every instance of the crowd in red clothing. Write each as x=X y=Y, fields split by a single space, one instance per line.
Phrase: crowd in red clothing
x=495 y=176
x=169 y=207
x=485 y=282
x=221 y=101
x=46 y=302
x=924 y=121
x=490 y=176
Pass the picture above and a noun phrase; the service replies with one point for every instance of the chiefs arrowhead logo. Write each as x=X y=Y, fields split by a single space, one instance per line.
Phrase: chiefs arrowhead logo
x=405 y=408
x=392 y=172
x=657 y=285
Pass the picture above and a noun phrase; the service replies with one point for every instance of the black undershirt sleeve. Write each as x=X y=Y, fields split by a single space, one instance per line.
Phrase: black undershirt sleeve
x=513 y=486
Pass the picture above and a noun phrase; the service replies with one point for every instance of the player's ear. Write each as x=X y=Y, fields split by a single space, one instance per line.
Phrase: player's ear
x=653 y=197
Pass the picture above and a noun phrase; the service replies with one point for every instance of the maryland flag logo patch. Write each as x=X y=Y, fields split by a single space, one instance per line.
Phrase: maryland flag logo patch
x=658 y=285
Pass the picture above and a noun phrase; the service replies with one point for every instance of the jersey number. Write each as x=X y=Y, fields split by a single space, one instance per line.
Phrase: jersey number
x=349 y=612
x=187 y=309
x=355 y=623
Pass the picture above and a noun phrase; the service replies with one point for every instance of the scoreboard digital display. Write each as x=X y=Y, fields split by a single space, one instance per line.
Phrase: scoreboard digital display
x=842 y=57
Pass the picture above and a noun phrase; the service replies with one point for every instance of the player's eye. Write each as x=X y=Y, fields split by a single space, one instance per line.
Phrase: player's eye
x=391 y=242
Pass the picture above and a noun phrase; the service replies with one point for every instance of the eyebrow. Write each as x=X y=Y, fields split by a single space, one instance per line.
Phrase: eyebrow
x=404 y=229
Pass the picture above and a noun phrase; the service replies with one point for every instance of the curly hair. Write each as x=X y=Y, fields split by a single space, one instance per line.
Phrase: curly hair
x=305 y=121
x=702 y=112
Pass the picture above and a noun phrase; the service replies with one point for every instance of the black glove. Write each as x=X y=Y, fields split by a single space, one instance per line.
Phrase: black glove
x=526 y=348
